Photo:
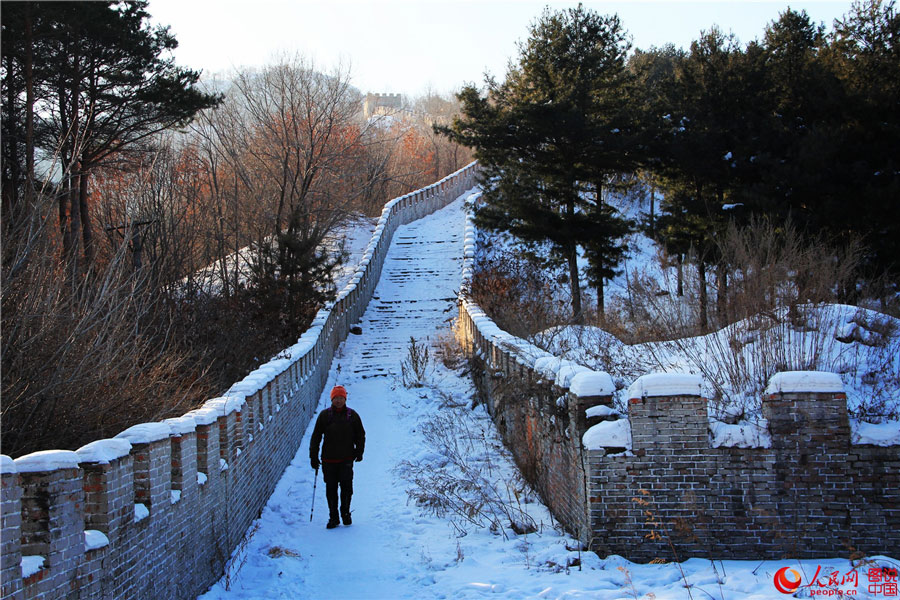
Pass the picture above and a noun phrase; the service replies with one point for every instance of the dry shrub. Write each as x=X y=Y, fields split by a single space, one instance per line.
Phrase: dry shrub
x=86 y=352
x=517 y=293
x=416 y=365
x=448 y=350
x=773 y=265
x=649 y=311
x=764 y=266
x=457 y=478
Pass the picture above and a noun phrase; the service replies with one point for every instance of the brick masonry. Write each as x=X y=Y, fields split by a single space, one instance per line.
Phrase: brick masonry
x=811 y=494
x=222 y=474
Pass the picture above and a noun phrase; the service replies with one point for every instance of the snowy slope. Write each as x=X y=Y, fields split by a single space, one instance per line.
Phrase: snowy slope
x=397 y=549
x=355 y=234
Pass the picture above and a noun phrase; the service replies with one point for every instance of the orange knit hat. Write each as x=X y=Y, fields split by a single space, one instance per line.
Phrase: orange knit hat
x=338 y=390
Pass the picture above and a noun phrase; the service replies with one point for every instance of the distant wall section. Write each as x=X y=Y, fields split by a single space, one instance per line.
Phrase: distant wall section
x=381 y=104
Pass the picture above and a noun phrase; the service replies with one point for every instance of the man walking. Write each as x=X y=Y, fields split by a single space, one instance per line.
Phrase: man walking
x=345 y=441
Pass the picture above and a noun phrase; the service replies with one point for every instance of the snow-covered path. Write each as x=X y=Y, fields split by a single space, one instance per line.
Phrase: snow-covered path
x=414 y=297
x=395 y=549
x=379 y=556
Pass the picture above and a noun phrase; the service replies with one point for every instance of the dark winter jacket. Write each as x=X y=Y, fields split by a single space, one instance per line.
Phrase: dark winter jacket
x=345 y=438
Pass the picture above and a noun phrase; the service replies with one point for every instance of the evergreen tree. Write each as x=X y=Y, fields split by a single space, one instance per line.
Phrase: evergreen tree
x=798 y=98
x=104 y=82
x=550 y=135
x=701 y=152
x=864 y=54
x=604 y=249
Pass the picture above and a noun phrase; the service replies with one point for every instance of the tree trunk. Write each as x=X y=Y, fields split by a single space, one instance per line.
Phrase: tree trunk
x=574 y=284
x=66 y=164
x=11 y=184
x=571 y=252
x=601 y=301
x=137 y=246
x=63 y=203
x=722 y=294
x=680 y=271
x=87 y=233
x=29 y=109
x=704 y=300
x=74 y=214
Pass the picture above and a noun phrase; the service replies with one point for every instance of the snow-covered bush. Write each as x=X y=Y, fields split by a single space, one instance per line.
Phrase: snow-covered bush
x=415 y=365
x=457 y=477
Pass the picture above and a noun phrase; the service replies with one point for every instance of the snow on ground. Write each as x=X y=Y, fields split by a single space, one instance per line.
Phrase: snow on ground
x=355 y=234
x=736 y=363
x=398 y=549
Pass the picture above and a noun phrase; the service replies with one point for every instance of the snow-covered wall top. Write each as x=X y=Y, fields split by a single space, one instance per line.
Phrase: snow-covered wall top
x=666 y=384
x=153 y=489
x=582 y=381
x=576 y=379
x=789 y=382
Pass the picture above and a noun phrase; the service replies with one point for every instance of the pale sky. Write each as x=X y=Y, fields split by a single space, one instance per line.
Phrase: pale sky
x=404 y=46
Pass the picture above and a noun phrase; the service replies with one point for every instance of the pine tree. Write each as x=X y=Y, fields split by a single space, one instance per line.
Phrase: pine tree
x=706 y=152
x=605 y=249
x=550 y=135
x=104 y=82
x=864 y=55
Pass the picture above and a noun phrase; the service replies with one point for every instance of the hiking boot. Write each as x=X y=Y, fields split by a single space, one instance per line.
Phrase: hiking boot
x=332 y=523
x=347 y=519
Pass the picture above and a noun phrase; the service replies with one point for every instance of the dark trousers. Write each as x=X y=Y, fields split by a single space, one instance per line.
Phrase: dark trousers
x=338 y=474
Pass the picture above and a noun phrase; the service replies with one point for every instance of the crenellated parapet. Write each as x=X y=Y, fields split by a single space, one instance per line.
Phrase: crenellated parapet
x=156 y=511
x=807 y=492
x=654 y=483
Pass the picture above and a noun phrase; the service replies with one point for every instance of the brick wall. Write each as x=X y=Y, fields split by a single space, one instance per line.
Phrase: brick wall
x=203 y=478
x=538 y=421
x=811 y=494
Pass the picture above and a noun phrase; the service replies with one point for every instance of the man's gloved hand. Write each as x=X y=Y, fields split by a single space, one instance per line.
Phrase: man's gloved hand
x=359 y=457
x=314 y=463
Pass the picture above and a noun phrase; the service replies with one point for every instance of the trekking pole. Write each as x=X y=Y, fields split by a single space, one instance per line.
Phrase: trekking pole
x=315 y=482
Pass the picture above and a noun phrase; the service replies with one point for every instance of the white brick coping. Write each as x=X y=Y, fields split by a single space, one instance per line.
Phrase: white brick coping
x=592 y=383
x=182 y=425
x=7 y=465
x=47 y=460
x=666 y=384
x=146 y=433
x=608 y=434
x=104 y=451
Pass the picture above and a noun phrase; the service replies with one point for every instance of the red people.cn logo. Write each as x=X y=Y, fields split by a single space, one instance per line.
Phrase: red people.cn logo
x=785 y=584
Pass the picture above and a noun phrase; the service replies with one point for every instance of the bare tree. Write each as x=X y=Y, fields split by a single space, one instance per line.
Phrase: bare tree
x=292 y=145
x=78 y=361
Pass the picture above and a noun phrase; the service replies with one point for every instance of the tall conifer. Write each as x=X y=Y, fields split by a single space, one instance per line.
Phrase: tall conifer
x=550 y=136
